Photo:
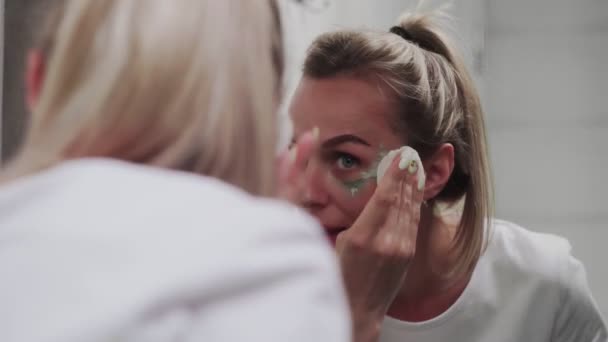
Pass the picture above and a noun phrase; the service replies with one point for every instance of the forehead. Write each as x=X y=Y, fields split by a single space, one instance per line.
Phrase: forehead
x=340 y=105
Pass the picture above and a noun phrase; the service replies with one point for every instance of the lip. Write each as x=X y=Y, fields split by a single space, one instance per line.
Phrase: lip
x=333 y=232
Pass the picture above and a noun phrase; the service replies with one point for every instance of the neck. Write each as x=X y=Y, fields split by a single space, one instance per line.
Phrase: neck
x=425 y=293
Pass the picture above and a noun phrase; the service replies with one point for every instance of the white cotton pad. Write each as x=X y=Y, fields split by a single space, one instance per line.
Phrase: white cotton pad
x=407 y=155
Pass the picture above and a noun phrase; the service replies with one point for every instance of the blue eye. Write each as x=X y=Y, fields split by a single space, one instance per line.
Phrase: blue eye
x=347 y=162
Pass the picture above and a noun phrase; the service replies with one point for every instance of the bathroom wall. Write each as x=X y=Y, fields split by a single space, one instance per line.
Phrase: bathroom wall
x=546 y=87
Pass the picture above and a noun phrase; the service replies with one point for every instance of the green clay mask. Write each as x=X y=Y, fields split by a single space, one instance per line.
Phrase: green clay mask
x=354 y=186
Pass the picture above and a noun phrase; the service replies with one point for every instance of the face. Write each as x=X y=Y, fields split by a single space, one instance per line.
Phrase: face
x=355 y=133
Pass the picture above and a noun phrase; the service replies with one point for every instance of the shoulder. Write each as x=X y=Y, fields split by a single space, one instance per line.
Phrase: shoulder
x=155 y=240
x=530 y=252
x=188 y=199
x=157 y=212
x=544 y=264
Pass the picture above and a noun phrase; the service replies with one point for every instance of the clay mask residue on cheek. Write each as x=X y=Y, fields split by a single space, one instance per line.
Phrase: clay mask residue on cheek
x=354 y=187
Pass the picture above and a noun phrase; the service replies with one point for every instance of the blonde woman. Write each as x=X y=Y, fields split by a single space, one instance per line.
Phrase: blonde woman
x=134 y=210
x=422 y=258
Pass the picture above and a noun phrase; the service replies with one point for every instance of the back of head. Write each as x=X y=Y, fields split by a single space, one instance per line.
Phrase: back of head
x=189 y=85
x=437 y=103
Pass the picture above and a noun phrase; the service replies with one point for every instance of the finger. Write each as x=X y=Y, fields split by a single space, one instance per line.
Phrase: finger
x=397 y=199
x=292 y=165
x=415 y=210
x=301 y=153
x=283 y=165
x=418 y=187
x=412 y=199
x=401 y=229
x=389 y=190
x=286 y=191
x=383 y=202
x=292 y=161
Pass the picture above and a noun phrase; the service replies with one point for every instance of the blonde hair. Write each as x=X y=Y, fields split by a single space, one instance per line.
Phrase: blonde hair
x=437 y=103
x=189 y=85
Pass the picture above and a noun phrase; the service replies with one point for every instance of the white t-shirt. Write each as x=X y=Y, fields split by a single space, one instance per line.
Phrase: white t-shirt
x=526 y=287
x=100 y=250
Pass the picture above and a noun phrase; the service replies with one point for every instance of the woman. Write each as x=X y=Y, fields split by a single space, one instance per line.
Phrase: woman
x=134 y=210
x=426 y=264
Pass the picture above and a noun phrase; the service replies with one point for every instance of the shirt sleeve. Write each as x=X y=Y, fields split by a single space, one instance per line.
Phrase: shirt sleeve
x=578 y=319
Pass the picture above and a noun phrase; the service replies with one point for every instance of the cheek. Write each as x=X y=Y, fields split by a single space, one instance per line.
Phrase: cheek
x=359 y=200
x=356 y=206
x=350 y=202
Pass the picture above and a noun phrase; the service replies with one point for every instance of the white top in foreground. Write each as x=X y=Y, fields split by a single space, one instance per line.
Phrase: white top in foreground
x=527 y=287
x=99 y=250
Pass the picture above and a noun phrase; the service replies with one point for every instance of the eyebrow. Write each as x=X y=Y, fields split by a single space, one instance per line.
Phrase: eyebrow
x=342 y=139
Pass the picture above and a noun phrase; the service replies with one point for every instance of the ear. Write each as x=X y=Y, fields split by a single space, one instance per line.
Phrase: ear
x=34 y=77
x=438 y=170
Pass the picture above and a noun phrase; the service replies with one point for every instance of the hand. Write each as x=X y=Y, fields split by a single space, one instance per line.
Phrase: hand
x=376 y=251
x=292 y=166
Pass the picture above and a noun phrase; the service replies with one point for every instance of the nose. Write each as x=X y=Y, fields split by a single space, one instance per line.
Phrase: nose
x=315 y=196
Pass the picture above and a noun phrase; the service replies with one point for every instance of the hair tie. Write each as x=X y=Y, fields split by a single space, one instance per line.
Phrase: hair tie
x=401 y=32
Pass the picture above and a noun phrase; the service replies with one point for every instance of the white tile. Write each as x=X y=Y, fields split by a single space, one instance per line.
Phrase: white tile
x=557 y=173
x=546 y=80
x=548 y=15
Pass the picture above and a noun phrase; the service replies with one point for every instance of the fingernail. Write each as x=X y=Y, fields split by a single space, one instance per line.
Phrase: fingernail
x=293 y=154
x=315 y=133
x=412 y=167
x=403 y=164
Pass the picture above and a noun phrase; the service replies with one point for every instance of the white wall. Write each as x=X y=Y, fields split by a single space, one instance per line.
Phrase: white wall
x=303 y=23
x=546 y=85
